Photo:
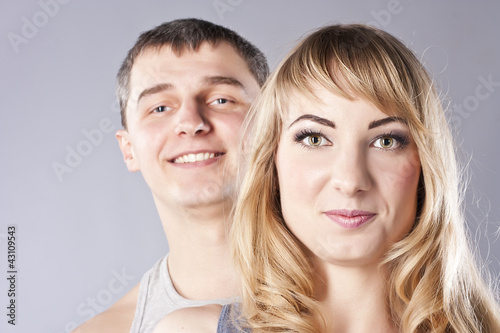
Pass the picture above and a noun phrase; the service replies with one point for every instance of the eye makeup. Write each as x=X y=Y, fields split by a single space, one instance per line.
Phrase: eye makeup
x=402 y=140
x=301 y=136
x=317 y=139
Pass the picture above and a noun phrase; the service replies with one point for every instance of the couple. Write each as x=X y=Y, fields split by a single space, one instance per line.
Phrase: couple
x=347 y=217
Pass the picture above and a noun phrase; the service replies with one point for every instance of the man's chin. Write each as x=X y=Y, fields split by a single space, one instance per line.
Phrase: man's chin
x=201 y=198
x=207 y=196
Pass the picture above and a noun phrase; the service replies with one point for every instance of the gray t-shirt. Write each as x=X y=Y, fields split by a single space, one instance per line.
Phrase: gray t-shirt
x=158 y=297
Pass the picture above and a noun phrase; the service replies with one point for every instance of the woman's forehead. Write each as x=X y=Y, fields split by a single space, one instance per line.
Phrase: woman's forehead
x=330 y=104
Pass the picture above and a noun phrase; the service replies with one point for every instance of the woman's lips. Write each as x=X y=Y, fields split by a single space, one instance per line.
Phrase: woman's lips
x=349 y=219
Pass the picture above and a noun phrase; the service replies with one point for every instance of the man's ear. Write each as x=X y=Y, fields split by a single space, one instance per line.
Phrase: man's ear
x=127 y=150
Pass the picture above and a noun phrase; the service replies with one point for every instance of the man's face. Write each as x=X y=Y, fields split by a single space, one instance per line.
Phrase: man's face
x=184 y=116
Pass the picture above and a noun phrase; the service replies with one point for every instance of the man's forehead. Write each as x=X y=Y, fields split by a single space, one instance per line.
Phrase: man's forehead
x=153 y=53
x=209 y=65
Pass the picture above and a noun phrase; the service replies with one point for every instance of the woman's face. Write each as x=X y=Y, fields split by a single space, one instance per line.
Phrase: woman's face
x=348 y=176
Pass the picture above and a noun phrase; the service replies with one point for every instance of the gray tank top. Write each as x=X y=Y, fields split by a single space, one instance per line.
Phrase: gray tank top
x=158 y=297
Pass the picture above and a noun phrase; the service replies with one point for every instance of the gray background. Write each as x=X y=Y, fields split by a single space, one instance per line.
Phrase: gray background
x=76 y=233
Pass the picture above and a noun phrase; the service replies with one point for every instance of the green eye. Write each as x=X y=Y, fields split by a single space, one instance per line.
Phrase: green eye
x=314 y=140
x=390 y=142
x=386 y=142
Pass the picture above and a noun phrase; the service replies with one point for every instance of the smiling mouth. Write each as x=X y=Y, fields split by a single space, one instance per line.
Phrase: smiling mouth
x=199 y=157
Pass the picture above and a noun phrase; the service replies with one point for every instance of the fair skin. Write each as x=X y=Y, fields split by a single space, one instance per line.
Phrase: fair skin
x=348 y=176
x=184 y=114
x=201 y=319
x=348 y=183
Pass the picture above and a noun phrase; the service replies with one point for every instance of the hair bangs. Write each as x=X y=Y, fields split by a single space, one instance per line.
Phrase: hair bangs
x=357 y=63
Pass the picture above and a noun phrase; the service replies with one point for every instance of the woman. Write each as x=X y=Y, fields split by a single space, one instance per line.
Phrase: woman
x=348 y=218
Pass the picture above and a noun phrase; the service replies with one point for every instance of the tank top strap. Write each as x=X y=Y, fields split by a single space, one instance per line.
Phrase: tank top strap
x=230 y=320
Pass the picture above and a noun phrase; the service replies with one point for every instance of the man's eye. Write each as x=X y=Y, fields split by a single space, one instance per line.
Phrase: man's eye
x=161 y=109
x=219 y=101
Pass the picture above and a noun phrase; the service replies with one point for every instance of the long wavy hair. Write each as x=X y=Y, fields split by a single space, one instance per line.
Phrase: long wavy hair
x=434 y=285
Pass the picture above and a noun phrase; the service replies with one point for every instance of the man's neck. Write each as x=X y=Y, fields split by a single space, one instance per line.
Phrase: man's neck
x=199 y=260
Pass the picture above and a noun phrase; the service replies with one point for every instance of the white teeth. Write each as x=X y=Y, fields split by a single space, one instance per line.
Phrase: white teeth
x=190 y=158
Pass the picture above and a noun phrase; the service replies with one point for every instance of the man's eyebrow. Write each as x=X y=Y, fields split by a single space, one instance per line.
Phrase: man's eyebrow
x=383 y=121
x=212 y=80
x=223 y=80
x=316 y=119
x=154 y=89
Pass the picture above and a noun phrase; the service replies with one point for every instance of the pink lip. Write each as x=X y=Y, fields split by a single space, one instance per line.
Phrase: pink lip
x=349 y=219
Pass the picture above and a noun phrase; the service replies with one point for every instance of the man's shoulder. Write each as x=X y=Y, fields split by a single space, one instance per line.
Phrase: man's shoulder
x=117 y=319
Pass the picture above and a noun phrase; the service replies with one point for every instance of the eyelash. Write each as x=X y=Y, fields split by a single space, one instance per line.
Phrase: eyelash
x=220 y=101
x=156 y=109
x=226 y=101
x=223 y=102
x=299 y=137
x=401 y=139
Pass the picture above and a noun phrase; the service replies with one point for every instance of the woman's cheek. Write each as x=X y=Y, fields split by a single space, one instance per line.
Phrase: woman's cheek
x=398 y=174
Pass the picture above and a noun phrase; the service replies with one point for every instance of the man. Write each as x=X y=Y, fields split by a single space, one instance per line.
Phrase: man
x=184 y=90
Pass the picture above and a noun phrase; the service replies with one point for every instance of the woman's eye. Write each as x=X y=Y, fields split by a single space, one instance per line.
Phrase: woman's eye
x=385 y=142
x=314 y=140
x=390 y=142
x=311 y=138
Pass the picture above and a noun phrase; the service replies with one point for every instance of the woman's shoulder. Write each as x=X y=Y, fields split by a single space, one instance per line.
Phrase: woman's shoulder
x=202 y=319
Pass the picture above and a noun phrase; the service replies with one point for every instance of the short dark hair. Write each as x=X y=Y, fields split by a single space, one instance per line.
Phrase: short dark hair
x=190 y=34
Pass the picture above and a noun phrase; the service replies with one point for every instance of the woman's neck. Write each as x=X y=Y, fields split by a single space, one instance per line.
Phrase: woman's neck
x=354 y=299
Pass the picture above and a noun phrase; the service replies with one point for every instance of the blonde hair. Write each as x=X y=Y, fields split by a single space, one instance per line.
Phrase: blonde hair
x=434 y=283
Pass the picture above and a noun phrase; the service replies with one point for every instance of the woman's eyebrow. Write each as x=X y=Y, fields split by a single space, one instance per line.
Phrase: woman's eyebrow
x=316 y=119
x=383 y=121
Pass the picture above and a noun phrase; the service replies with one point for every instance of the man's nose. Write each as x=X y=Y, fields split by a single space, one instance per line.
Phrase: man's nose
x=191 y=120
